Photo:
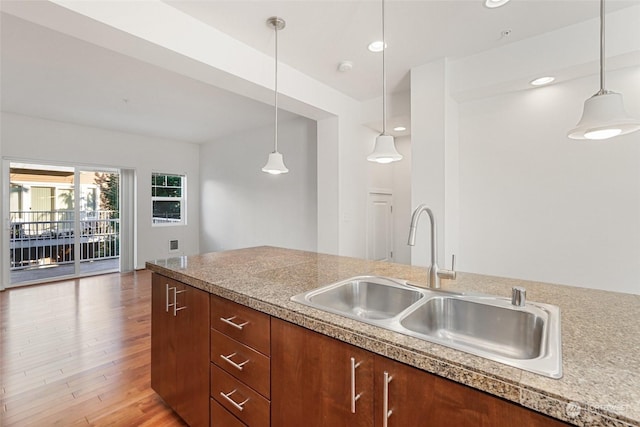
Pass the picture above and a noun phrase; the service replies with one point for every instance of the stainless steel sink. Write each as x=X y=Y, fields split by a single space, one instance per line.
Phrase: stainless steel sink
x=363 y=297
x=516 y=334
x=488 y=326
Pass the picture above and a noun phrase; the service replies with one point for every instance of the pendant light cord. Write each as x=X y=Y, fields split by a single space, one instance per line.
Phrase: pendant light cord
x=384 y=79
x=275 y=139
x=602 y=89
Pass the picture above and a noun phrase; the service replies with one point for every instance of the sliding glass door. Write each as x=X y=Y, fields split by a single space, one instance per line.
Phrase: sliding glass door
x=63 y=222
x=99 y=223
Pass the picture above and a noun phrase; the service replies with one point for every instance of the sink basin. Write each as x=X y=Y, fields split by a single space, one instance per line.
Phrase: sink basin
x=516 y=334
x=488 y=326
x=363 y=298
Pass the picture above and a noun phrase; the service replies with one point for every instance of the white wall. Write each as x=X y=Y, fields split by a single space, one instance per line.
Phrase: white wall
x=29 y=138
x=243 y=206
x=434 y=146
x=356 y=142
x=520 y=198
x=402 y=208
x=328 y=185
x=537 y=205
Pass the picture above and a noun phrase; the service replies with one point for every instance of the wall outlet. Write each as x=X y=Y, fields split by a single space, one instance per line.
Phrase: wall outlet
x=173 y=245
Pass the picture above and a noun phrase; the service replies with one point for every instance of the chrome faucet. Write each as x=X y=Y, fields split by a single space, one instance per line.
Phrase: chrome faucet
x=435 y=273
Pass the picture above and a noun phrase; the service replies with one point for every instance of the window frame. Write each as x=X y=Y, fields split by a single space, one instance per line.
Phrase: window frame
x=182 y=199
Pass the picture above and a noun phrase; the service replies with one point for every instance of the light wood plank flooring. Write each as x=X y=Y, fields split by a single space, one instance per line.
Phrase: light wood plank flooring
x=77 y=352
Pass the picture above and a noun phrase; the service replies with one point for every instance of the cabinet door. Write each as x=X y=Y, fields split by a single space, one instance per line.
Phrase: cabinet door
x=311 y=380
x=192 y=367
x=408 y=396
x=163 y=343
x=417 y=395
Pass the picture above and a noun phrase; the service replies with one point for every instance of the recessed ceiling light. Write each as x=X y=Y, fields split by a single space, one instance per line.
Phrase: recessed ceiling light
x=376 y=46
x=399 y=128
x=492 y=4
x=542 y=81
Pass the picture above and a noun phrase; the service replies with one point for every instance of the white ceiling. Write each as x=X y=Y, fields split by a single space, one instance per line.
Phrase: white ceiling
x=50 y=75
x=321 y=33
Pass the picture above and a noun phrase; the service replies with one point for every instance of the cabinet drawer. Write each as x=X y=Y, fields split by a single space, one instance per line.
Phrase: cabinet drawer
x=238 y=399
x=220 y=417
x=244 y=363
x=241 y=323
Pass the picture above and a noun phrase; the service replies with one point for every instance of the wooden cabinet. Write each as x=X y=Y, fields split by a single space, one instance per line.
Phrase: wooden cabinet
x=241 y=323
x=413 y=395
x=222 y=364
x=180 y=348
x=240 y=365
x=312 y=386
x=222 y=417
x=163 y=342
x=312 y=377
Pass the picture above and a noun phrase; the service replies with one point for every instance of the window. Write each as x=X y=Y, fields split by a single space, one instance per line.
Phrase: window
x=168 y=197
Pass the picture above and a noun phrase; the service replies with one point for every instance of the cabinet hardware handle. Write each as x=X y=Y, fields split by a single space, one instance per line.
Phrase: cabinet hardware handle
x=176 y=309
x=229 y=322
x=238 y=406
x=238 y=366
x=386 y=412
x=354 y=396
x=167 y=297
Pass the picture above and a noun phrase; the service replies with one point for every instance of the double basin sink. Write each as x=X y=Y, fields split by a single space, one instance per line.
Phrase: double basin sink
x=492 y=327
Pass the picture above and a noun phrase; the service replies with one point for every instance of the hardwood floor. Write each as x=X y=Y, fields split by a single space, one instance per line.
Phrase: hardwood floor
x=77 y=352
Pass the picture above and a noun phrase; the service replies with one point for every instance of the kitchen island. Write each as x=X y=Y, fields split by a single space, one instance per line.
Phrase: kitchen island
x=600 y=329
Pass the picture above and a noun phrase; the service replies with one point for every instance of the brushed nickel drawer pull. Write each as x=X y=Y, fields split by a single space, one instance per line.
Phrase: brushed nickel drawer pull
x=167 y=288
x=354 y=396
x=176 y=309
x=238 y=366
x=238 y=406
x=229 y=321
x=386 y=412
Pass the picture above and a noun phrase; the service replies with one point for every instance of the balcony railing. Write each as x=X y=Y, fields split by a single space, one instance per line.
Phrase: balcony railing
x=48 y=237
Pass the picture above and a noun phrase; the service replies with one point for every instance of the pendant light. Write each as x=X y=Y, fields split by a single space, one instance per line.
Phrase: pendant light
x=384 y=150
x=604 y=116
x=275 y=163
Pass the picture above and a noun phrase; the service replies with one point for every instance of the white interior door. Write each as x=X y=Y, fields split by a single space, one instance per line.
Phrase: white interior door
x=380 y=227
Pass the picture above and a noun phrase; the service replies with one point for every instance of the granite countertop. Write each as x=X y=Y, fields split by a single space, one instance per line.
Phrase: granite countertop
x=600 y=330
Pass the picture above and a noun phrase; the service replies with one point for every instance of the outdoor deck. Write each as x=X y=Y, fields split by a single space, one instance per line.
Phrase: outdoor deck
x=45 y=244
x=54 y=271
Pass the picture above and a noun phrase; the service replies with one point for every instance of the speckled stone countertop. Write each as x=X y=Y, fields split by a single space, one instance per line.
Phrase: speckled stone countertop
x=600 y=330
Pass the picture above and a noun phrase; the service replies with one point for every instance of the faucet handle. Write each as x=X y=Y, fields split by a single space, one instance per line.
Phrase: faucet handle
x=449 y=274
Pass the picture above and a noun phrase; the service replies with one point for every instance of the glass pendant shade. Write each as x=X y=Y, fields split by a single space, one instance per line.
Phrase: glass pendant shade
x=604 y=117
x=275 y=164
x=384 y=150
